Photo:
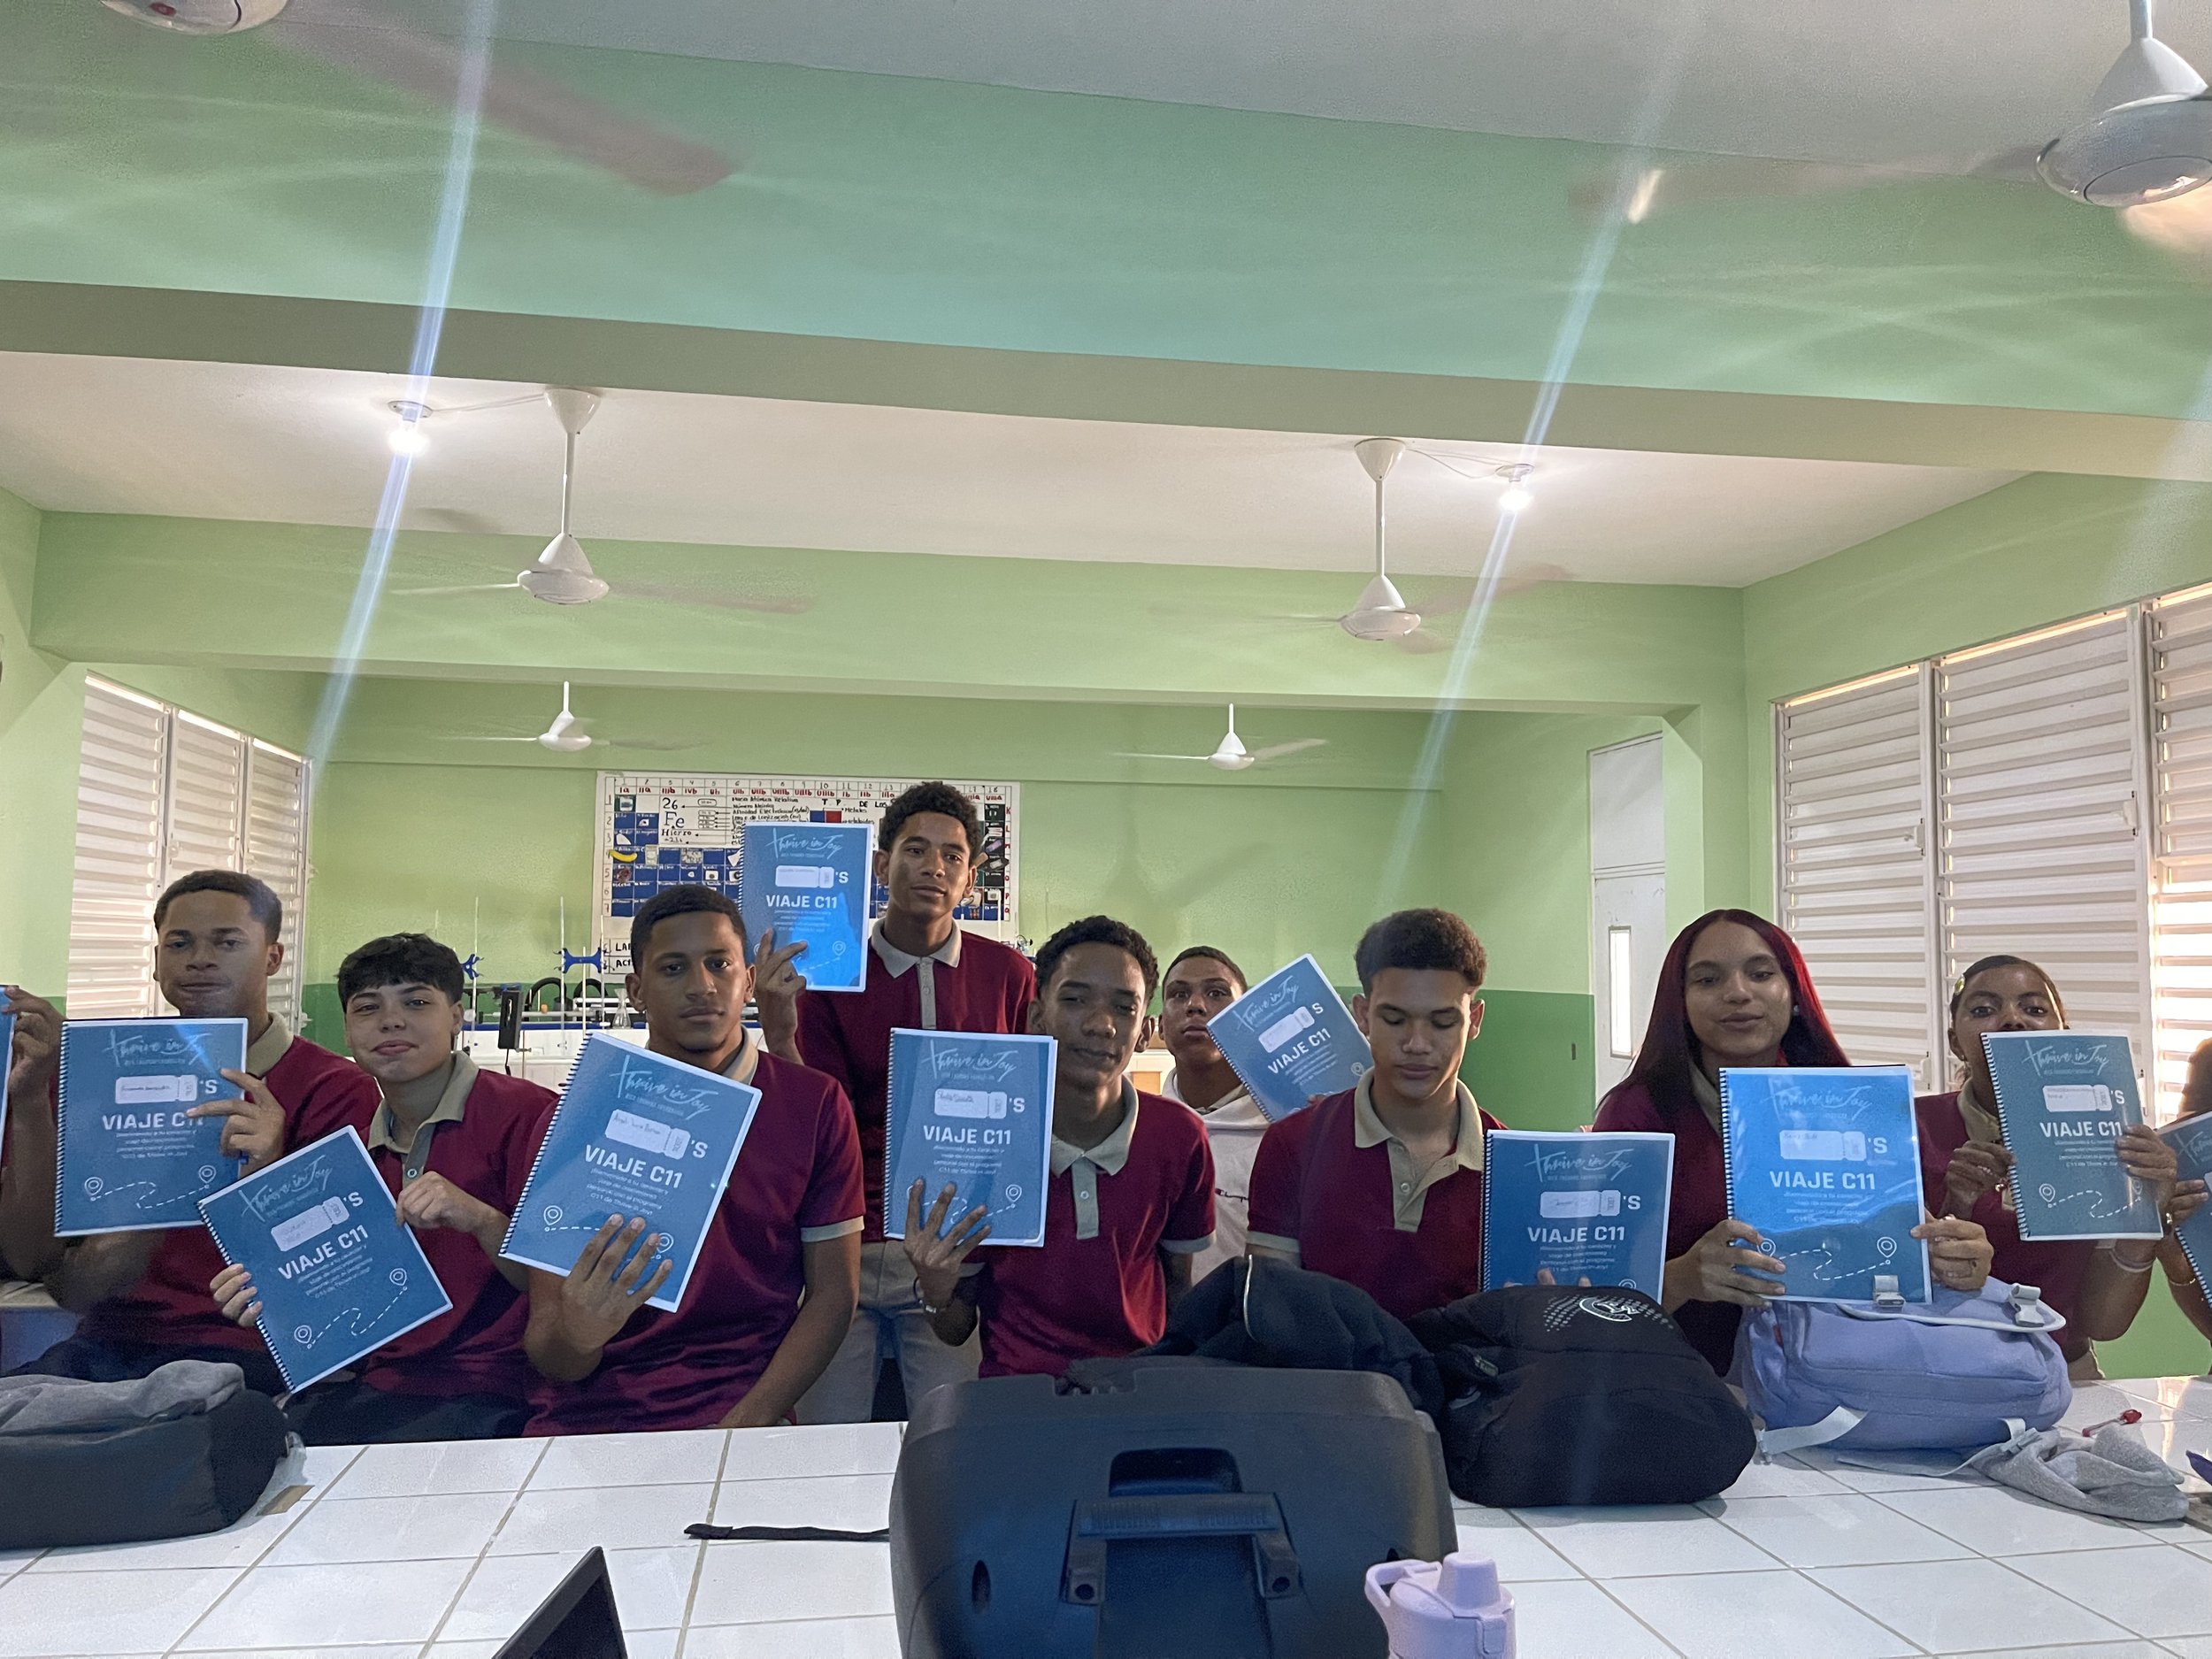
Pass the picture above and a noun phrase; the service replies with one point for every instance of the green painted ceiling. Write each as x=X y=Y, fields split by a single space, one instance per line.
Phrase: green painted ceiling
x=952 y=214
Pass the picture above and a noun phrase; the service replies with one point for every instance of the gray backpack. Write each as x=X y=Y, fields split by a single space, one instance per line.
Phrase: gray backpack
x=187 y=1449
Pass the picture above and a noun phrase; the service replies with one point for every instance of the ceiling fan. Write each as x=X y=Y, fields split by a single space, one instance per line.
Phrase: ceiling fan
x=1231 y=754
x=563 y=574
x=377 y=41
x=2146 y=142
x=569 y=733
x=1382 y=612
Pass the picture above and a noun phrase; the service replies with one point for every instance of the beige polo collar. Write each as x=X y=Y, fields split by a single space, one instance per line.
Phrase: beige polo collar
x=269 y=1047
x=1084 y=1164
x=1707 y=1094
x=451 y=1107
x=745 y=1062
x=1409 y=1187
x=899 y=962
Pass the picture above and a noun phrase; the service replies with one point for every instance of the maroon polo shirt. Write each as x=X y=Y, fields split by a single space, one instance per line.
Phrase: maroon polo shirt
x=2054 y=1267
x=975 y=984
x=1698 y=1203
x=485 y=1151
x=1097 y=1288
x=169 y=1307
x=1326 y=1189
x=797 y=1180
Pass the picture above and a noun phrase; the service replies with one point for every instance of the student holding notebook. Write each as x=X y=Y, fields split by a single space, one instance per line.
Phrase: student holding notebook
x=1381 y=1184
x=2098 y=1284
x=924 y=973
x=1199 y=984
x=453 y=1143
x=144 y=1294
x=773 y=1293
x=1733 y=991
x=1130 y=1203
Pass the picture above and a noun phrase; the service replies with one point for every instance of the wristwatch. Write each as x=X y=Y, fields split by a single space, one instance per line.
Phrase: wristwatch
x=927 y=1308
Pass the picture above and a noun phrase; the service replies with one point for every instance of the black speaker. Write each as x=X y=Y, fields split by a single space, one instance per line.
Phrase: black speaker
x=1201 y=1508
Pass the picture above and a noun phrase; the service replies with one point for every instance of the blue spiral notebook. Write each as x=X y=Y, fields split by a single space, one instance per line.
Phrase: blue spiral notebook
x=336 y=1275
x=974 y=1112
x=2064 y=1098
x=635 y=1134
x=810 y=883
x=1290 y=1039
x=1585 y=1206
x=130 y=1159
x=2191 y=1141
x=1824 y=1160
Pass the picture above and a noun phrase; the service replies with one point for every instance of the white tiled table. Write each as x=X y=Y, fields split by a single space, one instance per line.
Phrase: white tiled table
x=436 y=1552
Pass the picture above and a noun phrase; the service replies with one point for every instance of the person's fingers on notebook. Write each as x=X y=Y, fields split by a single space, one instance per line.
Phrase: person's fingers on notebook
x=1544 y=1277
x=593 y=1256
x=2189 y=1197
x=641 y=1259
x=1976 y=1168
x=651 y=1287
x=255 y=1126
x=232 y=1290
x=2148 y=1158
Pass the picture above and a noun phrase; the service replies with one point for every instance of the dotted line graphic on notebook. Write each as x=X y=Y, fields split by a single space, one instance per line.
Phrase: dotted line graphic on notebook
x=555 y=1219
x=98 y=1191
x=358 y=1322
x=1821 y=1261
x=2048 y=1193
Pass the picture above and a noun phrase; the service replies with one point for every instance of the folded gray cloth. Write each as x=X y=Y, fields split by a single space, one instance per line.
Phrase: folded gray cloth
x=2113 y=1474
x=63 y=1405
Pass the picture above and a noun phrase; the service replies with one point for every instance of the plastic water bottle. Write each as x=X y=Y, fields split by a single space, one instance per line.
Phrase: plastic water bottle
x=1452 y=1608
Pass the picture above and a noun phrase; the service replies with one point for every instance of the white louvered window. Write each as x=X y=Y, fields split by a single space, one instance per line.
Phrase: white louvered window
x=275 y=849
x=121 y=791
x=1856 y=884
x=161 y=792
x=2180 y=648
x=2040 y=769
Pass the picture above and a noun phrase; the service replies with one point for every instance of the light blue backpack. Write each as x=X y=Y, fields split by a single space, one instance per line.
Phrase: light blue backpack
x=1955 y=1373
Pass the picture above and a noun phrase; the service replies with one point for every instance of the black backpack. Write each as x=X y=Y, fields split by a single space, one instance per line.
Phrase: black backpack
x=1563 y=1395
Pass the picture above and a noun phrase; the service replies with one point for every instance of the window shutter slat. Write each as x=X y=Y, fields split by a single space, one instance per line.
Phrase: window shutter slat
x=121 y=763
x=2180 y=648
x=1852 y=810
x=2040 y=852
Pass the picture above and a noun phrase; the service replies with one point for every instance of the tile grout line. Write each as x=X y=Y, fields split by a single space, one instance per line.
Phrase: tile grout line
x=2005 y=1565
x=1807 y=1574
x=177 y=1647
x=476 y=1566
x=699 y=1558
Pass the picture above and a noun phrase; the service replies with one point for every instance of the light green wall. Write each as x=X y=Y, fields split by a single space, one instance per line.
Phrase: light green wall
x=39 y=710
x=869 y=622
x=1266 y=863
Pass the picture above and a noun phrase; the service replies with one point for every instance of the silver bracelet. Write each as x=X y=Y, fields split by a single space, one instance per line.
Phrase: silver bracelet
x=2126 y=1266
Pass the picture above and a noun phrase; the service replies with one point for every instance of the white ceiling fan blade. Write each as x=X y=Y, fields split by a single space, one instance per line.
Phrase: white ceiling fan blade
x=1124 y=754
x=1276 y=751
x=466 y=737
x=1421 y=642
x=439 y=592
x=663 y=745
x=532 y=105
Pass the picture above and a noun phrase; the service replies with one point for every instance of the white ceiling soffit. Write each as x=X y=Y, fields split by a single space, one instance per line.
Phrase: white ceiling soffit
x=1932 y=84
x=308 y=446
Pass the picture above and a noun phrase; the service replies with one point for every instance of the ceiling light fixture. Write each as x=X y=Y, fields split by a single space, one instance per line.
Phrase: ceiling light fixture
x=407 y=437
x=1518 y=496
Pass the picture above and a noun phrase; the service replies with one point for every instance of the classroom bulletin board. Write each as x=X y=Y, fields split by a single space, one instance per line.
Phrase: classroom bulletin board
x=661 y=829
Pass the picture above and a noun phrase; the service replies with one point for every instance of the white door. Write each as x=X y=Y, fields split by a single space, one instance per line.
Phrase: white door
x=1628 y=897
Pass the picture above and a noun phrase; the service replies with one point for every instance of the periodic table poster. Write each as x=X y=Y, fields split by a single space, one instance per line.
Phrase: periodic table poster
x=669 y=829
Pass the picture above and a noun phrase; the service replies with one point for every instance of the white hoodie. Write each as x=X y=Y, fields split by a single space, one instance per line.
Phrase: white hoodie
x=1233 y=1128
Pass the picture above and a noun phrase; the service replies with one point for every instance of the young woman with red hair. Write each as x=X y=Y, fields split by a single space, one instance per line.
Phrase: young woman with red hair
x=1733 y=991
